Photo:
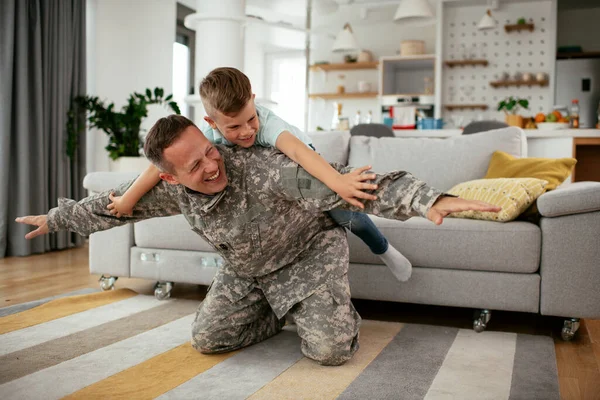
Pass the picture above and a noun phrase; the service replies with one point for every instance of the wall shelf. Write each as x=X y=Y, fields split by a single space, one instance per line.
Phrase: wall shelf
x=452 y=107
x=518 y=28
x=345 y=66
x=455 y=63
x=357 y=95
x=518 y=83
x=586 y=54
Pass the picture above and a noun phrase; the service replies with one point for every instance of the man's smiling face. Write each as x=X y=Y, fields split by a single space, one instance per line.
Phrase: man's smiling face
x=196 y=163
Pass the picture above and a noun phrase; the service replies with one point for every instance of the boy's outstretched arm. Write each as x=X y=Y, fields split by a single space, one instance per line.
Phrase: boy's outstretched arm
x=348 y=186
x=123 y=205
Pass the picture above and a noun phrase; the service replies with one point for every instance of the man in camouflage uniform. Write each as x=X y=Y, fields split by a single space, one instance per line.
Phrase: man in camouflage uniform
x=264 y=215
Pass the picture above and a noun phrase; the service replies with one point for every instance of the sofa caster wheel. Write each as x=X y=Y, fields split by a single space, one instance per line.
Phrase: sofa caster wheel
x=570 y=326
x=481 y=320
x=107 y=282
x=162 y=290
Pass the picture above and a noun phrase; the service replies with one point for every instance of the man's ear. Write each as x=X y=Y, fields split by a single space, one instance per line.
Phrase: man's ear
x=211 y=122
x=169 y=178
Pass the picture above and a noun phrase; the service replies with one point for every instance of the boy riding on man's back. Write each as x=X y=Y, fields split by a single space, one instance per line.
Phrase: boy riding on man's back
x=233 y=119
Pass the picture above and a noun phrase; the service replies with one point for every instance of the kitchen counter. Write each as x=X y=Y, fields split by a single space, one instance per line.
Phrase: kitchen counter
x=531 y=133
x=582 y=144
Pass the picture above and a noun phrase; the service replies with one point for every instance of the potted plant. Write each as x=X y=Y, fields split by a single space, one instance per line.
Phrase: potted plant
x=511 y=107
x=122 y=127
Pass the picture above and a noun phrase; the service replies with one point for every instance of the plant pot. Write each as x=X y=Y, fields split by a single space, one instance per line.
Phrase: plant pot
x=514 y=120
x=129 y=164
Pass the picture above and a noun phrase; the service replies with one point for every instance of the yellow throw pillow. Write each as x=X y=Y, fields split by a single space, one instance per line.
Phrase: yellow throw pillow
x=553 y=170
x=514 y=195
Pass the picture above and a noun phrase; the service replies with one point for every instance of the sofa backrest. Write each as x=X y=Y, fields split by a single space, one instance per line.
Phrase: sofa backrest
x=332 y=145
x=442 y=163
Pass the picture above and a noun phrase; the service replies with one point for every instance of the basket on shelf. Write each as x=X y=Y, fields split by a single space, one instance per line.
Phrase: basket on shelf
x=412 y=47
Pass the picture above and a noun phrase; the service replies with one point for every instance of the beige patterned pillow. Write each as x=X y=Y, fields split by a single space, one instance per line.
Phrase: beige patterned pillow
x=514 y=195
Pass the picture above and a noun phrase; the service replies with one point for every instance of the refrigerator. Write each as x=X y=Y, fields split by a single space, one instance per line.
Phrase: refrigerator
x=579 y=79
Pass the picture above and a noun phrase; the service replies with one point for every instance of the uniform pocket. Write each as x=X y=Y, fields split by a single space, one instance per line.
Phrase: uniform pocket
x=245 y=240
x=233 y=287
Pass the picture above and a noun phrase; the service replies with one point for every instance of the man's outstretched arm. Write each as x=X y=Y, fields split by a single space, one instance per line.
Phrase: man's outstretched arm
x=91 y=214
x=399 y=195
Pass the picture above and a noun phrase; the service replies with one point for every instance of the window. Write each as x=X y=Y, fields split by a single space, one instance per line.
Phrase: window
x=183 y=62
x=286 y=86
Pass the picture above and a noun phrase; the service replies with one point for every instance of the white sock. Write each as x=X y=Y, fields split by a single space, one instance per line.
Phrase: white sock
x=397 y=263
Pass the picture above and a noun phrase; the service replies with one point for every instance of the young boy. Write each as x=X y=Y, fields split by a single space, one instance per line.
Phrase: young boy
x=234 y=119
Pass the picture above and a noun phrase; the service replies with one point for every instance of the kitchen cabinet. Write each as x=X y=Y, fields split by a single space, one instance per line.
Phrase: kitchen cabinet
x=407 y=75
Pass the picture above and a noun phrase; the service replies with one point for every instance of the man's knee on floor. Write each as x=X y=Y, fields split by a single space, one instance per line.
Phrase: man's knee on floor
x=212 y=343
x=331 y=355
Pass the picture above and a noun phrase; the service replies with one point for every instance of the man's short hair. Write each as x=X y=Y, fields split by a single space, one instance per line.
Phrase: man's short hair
x=162 y=134
x=226 y=90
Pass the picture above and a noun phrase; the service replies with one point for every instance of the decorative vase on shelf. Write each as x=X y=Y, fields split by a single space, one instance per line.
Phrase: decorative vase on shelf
x=514 y=120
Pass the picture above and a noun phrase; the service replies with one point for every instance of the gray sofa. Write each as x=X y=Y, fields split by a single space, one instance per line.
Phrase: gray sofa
x=552 y=268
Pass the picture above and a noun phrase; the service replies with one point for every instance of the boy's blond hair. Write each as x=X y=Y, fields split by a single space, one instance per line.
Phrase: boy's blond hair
x=226 y=90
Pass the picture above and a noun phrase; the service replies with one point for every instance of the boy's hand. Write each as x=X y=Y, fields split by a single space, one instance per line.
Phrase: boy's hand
x=119 y=207
x=350 y=186
x=446 y=205
x=38 y=220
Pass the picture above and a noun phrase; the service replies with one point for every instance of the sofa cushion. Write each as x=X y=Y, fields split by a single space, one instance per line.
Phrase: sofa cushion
x=333 y=146
x=168 y=233
x=514 y=195
x=442 y=163
x=458 y=244
x=553 y=170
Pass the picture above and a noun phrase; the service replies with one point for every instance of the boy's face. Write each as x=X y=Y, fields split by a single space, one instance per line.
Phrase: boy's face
x=239 y=129
x=197 y=164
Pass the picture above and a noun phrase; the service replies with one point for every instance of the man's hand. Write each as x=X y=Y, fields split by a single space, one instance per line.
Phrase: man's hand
x=37 y=220
x=446 y=205
x=119 y=207
x=350 y=186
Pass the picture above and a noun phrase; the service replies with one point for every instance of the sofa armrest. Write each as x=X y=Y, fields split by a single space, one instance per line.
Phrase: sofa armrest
x=570 y=266
x=574 y=198
x=100 y=181
x=110 y=250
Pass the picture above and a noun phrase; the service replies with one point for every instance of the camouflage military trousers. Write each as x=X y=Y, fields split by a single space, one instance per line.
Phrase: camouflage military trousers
x=326 y=320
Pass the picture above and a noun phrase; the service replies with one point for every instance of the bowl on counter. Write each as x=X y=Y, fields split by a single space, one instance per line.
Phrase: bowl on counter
x=552 y=126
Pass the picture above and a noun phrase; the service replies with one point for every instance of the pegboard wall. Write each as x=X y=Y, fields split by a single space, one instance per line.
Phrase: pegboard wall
x=514 y=53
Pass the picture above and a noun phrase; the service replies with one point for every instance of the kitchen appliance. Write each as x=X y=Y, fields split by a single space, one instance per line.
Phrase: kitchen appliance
x=579 y=79
x=422 y=104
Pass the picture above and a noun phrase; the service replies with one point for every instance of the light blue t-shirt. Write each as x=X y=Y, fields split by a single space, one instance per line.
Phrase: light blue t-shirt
x=271 y=126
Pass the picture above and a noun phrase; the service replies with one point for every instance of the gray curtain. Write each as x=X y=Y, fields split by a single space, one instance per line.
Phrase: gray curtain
x=42 y=65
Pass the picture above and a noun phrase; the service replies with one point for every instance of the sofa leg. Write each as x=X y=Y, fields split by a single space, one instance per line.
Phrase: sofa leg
x=570 y=326
x=162 y=290
x=107 y=282
x=482 y=317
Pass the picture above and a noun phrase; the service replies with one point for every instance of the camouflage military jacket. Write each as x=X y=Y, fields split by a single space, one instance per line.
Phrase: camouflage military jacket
x=268 y=224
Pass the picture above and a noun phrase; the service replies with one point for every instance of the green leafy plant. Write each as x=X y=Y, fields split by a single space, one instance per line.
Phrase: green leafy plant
x=521 y=21
x=122 y=127
x=512 y=105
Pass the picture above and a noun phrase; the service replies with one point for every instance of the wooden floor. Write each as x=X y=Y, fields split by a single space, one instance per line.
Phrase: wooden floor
x=30 y=278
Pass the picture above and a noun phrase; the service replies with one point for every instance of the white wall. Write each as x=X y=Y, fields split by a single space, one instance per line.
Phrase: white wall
x=579 y=27
x=254 y=59
x=378 y=34
x=130 y=48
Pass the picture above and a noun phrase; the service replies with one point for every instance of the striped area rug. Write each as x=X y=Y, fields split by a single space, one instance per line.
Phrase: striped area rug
x=121 y=345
